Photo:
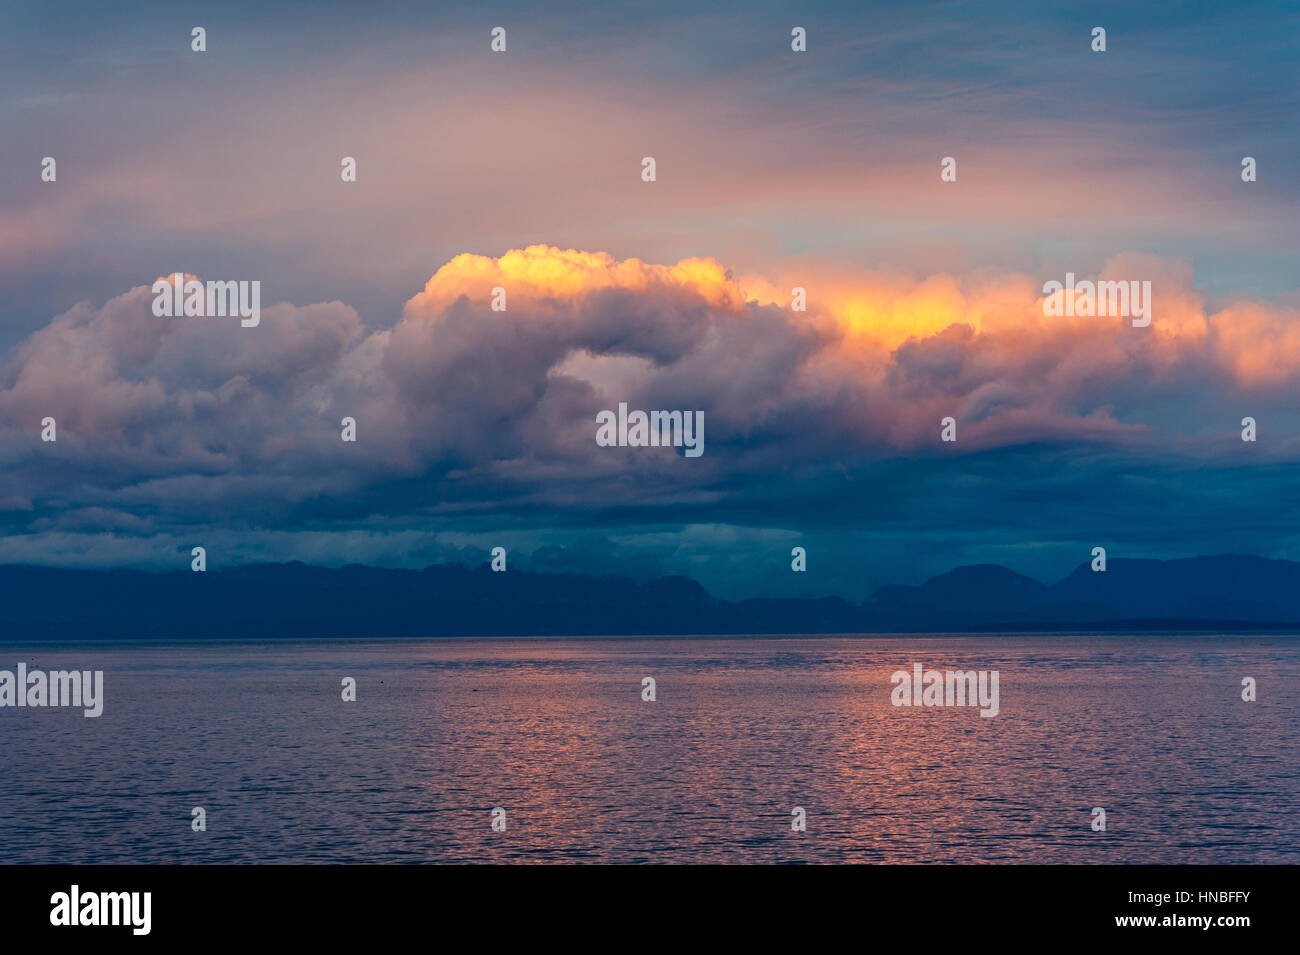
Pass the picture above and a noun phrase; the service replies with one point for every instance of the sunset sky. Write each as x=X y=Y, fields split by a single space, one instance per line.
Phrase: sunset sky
x=774 y=169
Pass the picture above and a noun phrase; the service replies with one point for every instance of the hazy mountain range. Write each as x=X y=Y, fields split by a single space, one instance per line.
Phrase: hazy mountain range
x=1227 y=592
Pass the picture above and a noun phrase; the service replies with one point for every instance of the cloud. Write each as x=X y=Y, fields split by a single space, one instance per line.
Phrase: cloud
x=469 y=417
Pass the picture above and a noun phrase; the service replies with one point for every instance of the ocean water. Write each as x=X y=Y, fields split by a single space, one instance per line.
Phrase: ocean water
x=1151 y=728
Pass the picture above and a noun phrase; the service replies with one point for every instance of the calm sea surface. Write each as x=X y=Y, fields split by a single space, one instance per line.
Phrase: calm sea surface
x=1153 y=729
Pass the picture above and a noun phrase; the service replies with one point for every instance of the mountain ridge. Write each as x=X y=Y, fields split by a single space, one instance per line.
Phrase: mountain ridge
x=296 y=600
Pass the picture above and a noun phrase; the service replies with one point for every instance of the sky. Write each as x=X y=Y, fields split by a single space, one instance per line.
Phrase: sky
x=522 y=170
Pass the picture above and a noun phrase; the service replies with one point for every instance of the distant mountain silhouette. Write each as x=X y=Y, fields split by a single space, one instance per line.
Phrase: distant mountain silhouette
x=1229 y=592
x=977 y=594
x=1233 y=591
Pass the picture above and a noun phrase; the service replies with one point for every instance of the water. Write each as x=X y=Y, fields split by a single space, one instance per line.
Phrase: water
x=1152 y=728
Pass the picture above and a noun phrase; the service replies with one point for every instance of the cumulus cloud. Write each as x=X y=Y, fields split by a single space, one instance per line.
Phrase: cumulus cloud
x=462 y=410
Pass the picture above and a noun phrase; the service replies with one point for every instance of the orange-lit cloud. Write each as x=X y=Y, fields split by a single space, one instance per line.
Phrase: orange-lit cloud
x=541 y=271
x=456 y=388
x=471 y=416
x=871 y=314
